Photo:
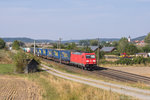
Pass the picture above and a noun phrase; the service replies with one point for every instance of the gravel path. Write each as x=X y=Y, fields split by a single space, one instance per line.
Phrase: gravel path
x=126 y=90
x=13 y=88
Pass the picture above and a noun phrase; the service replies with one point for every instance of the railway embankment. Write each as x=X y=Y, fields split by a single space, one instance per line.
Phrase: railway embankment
x=105 y=74
x=126 y=90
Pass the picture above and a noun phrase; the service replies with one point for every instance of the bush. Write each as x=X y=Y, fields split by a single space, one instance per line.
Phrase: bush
x=20 y=60
x=30 y=56
x=2 y=43
x=115 y=52
x=139 y=60
x=101 y=54
x=146 y=48
x=105 y=62
x=16 y=45
x=129 y=61
x=125 y=61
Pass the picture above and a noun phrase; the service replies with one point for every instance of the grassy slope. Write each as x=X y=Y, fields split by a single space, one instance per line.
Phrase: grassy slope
x=55 y=88
x=6 y=68
x=62 y=68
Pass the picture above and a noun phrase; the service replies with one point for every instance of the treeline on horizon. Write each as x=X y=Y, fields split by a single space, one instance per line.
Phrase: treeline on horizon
x=29 y=40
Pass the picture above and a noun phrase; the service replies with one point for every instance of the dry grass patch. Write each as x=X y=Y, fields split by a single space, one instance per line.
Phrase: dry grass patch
x=55 y=88
x=16 y=88
x=5 y=57
x=94 y=76
x=68 y=90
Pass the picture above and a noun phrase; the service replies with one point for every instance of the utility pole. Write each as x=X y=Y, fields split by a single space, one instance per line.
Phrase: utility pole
x=57 y=44
x=98 y=53
x=34 y=47
x=60 y=48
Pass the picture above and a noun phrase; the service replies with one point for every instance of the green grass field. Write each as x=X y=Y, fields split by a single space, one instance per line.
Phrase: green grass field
x=6 y=68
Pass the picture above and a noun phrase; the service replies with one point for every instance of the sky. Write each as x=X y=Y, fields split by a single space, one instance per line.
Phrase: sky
x=74 y=19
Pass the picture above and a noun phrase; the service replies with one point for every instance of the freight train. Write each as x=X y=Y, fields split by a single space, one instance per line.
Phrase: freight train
x=80 y=59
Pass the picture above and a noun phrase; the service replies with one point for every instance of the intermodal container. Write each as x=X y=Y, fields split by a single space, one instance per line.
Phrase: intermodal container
x=65 y=55
x=44 y=52
x=37 y=51
x=41 y=52
x=50 y=52
x=56 y=54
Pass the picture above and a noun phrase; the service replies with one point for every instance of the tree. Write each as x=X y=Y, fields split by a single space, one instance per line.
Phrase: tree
x=71 y=46
x=21 y=43
x=2 y=43
x=93 y=42
x=147 y=38
x=54 y=45
x=115 y=43
x=84 y=42
x=87 y=49
x=146 y=48
x=101 y=54
x=20 y=60
x=131 y=49
x=105 y=43
x=33 y=46
x=122 y=45
x=16 y=45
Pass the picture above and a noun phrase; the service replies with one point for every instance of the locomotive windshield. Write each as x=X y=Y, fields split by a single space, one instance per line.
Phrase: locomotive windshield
x=90 y=56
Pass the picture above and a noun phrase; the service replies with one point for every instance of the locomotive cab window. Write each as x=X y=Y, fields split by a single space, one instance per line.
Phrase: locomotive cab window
x=90 y=56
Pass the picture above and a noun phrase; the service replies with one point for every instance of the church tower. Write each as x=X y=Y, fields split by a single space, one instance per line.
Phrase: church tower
x=129 y=39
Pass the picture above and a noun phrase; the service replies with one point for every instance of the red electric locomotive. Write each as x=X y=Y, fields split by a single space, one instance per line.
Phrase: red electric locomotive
x=84 y=60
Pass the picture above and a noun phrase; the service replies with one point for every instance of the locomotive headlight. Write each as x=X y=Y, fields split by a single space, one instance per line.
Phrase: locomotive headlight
x=94 y=60
x=87 y=60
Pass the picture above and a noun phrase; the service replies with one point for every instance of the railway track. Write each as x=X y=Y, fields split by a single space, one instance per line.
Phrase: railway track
x=122 y=76
x=112 y=74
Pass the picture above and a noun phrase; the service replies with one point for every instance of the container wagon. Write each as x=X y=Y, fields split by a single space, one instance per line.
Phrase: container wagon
x=65 y=56
x=50 y=53
x=40 y=52
x=56 y=55
x=44 y=53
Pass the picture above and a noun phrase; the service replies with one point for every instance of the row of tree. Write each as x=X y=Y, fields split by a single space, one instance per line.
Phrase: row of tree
x=95 y=43
x=2 y=43
x=122 y=45
x=16 y=44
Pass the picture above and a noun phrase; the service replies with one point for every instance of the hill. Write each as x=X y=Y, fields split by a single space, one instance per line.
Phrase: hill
x=29 y=40
x=20 y=39
x=24 y=39
x=139 y=38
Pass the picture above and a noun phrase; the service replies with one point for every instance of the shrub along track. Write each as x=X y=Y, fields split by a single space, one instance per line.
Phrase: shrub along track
x=110 y=73
x=14 y=88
